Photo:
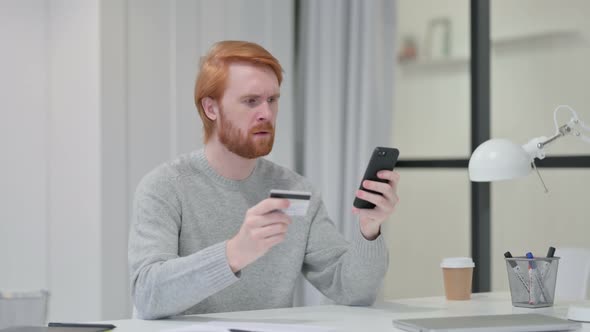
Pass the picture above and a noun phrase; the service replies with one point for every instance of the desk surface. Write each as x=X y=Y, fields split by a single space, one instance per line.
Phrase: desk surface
x=375 y=318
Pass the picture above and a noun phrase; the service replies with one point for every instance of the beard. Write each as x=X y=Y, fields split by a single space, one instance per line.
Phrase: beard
x=246 y=145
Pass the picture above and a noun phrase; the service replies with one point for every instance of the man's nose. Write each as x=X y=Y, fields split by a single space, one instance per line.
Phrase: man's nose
x=265 y=111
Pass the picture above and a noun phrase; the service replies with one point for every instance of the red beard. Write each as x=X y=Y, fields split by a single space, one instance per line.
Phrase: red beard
x=247 y=146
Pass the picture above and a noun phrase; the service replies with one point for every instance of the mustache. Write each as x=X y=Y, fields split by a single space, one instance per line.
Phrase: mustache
x=265 y=126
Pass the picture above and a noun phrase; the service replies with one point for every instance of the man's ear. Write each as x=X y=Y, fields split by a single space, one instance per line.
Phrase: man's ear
x=210 y=107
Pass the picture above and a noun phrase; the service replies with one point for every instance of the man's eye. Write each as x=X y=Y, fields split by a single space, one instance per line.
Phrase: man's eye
x=271 y=100
x=251 y=101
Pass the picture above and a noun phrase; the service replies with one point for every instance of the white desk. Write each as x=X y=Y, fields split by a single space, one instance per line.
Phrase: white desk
x=376 y=318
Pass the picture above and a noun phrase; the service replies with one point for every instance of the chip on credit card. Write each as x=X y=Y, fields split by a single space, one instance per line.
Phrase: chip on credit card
x=299 y=201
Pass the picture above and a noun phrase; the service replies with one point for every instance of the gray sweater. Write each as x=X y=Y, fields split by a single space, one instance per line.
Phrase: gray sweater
x=183 y=215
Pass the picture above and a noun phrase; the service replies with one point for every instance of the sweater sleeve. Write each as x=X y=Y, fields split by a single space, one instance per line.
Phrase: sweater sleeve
x=346 y=272
x=162 y=283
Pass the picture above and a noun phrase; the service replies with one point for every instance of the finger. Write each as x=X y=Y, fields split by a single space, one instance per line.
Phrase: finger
x=384 y=188
x=274 y=240
x=277 y=216
x=391 y=176
x=267 y=205
x=274 y=217
x=270 y=231
x=381 y=202
x=372 y=198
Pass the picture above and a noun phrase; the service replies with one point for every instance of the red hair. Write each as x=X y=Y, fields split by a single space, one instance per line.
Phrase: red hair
x=214 y=68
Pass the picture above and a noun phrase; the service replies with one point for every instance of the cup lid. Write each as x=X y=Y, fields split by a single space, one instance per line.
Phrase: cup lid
x=457 y=262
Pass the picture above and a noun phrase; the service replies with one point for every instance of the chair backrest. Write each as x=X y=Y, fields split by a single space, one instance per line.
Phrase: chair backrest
x=573 y=274
x=23 y=308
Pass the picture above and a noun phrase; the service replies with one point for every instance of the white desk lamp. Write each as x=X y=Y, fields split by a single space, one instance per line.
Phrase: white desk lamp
x=500 y=159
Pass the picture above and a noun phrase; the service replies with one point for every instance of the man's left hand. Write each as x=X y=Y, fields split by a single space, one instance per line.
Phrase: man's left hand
x=371 y=219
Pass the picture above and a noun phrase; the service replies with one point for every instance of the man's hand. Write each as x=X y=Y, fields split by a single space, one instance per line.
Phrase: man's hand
x=263 y=228
x=371 y=219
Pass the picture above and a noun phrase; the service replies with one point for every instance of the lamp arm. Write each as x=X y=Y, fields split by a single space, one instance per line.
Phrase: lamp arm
x=561 y=131
x=575 y=127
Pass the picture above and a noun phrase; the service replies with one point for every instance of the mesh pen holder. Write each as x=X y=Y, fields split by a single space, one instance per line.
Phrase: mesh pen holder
x=532 y=281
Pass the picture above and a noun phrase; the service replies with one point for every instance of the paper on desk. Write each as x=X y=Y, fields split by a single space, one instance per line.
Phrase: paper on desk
x=224 y=326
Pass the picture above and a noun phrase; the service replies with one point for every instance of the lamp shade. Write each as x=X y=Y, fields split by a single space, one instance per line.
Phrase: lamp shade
x=498 y=159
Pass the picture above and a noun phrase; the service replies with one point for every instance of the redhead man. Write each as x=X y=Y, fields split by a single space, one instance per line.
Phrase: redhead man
x=205 y=237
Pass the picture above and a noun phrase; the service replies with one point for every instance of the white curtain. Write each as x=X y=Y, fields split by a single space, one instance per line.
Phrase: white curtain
x=344 y=94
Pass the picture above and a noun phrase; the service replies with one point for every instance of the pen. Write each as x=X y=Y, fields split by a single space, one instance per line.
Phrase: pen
x=550 y=252
x=531 y=284
x=534 y=273
x=240 y=330
x=106 y=327
x=516 y=270
x=547 y=265
x=546 y=269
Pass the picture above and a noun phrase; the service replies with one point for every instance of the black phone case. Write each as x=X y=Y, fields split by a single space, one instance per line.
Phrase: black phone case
x=381 y=159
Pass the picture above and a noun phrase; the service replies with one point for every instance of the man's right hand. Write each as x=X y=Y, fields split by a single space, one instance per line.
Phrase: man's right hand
x=263 y=228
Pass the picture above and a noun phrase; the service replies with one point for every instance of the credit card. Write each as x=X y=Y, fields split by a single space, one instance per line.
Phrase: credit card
x=299 y=201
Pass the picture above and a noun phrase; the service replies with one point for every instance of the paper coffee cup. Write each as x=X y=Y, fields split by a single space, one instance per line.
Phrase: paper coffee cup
x=458 y=276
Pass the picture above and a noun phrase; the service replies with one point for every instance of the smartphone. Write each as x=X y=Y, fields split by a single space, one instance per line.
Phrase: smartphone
x=381 y=159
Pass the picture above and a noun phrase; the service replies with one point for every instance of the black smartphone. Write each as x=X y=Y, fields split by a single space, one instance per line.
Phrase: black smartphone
x=381 y=159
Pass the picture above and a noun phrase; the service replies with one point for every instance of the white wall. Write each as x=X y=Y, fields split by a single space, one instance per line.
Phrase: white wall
x=24 y=95
x=74 y=219
x=50 y=139
x=94 y=94
x=114 y=162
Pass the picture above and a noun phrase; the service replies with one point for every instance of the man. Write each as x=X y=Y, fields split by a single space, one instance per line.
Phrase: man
x=206 y=237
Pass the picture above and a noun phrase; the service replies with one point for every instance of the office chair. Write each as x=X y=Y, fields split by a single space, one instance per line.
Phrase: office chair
x=23 y=308
x=573 y=274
